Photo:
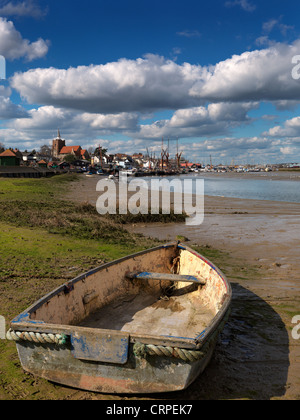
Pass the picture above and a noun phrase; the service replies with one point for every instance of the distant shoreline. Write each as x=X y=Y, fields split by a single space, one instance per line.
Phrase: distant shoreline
x=84 y=188
x=274 y=175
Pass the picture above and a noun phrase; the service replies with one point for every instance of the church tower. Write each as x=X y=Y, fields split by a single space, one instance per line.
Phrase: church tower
x=57 y=145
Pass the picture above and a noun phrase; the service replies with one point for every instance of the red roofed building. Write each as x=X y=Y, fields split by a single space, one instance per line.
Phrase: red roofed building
x=85 y=154
x=186 y=165
x=60 y=150
x=9 y=158
x=42 y=164
x=70 y=150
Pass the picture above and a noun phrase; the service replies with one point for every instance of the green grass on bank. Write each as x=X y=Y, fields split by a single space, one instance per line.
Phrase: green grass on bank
x=30 y=189
x=40 y=203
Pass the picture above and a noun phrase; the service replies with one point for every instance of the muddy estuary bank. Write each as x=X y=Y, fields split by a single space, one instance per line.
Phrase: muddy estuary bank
x=256 y=243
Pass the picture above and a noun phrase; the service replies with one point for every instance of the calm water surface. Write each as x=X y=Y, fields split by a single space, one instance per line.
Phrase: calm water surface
x=263 y=187
x=259 y=186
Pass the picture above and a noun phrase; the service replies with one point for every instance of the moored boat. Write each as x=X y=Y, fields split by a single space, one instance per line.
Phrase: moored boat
x=145 y=323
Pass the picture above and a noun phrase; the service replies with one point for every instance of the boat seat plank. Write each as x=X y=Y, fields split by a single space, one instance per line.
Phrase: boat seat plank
x=166 y=277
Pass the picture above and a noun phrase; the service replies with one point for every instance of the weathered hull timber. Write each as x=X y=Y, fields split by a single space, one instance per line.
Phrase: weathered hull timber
x=130 y=326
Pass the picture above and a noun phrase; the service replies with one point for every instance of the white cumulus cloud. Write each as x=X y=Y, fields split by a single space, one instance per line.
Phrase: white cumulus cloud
x=13 y=46
x=254 y=75
x=213 y=120
x=154 y=83
x=291 y=128
x=146 y=84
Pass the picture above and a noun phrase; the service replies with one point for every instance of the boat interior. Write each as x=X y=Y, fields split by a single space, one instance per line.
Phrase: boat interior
x=166 y=291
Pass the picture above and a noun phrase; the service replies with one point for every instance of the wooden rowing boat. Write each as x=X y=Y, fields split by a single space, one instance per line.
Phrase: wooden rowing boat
x=145 y=323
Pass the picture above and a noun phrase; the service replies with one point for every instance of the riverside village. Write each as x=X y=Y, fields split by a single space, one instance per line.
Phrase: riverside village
x=58 y=158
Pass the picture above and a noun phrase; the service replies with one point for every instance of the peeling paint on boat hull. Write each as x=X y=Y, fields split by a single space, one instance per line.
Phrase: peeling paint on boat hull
x=155 y=375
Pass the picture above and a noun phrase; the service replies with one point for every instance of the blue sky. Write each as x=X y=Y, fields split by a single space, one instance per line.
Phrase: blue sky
x=125 y=74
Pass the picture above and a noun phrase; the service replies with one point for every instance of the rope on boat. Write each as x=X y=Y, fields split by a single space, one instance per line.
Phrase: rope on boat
x=43 y=338
x=142 y=350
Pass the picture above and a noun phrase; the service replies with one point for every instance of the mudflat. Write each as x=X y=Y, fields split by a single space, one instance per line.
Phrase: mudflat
x=257 y=356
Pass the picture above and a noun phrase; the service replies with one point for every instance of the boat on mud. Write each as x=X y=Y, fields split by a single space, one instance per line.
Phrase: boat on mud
x=146 y=323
